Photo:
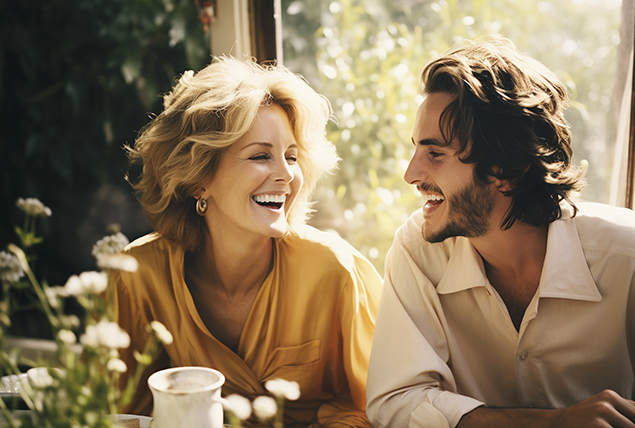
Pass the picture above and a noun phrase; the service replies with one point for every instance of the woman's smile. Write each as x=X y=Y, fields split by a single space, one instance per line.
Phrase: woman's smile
x=270 y=201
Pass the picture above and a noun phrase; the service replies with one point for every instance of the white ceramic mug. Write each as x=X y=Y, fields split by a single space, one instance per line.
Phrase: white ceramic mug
x=187 y=397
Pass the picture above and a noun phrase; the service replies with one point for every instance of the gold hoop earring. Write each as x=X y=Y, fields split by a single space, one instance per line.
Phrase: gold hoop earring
x=201 y=206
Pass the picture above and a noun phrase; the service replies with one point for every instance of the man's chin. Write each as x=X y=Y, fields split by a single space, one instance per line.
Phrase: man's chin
x=432 y=237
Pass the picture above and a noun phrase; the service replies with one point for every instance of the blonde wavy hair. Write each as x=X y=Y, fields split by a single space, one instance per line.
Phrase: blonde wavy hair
x=204 y=114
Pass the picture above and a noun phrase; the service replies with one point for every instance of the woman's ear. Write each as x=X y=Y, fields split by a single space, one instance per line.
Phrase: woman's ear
x=199 y=194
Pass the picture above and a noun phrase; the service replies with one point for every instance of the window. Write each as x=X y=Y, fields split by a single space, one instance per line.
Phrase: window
x=365 y=56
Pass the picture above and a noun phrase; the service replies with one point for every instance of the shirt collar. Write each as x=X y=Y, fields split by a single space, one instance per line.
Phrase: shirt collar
x=565 y=273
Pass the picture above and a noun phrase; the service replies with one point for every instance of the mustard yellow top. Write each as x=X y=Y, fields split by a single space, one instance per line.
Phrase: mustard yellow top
x=312 y=322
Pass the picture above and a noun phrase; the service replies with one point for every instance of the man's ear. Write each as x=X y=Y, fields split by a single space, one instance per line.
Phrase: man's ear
x=506 y=185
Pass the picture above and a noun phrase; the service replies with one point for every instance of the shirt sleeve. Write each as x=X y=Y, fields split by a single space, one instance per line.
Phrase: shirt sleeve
x=131 y=319
x=359 y=302
x=410 y=383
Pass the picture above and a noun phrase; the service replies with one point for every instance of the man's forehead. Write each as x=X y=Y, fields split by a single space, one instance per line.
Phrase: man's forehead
x=427 y=128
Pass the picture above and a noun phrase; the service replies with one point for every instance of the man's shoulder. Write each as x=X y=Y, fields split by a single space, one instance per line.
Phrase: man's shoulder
x=606 y=228
x=606 y=213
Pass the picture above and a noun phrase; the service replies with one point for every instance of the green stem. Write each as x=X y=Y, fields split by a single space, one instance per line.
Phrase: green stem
x=6 y=362
x=26 y=228
x=7 y=414
x=233 y=420
x=152 y=349
x=35 y=283
x=279 y=422
x=112 y=393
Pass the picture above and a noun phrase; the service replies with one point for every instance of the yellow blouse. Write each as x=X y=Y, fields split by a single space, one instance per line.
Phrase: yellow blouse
x=312 y=322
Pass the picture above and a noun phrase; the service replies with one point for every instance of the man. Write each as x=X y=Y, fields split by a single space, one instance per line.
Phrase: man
x=505 y=303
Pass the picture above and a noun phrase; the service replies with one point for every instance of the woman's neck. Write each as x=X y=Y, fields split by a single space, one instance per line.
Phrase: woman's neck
x=233 y=266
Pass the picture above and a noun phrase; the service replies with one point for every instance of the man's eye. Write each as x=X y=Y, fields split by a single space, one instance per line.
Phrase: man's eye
x=435 y=154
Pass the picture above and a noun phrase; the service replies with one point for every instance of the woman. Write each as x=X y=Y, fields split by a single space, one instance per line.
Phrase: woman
x=232 y=271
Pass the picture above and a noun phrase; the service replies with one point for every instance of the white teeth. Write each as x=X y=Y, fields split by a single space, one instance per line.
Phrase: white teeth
x=277 y=199
x=429 y=197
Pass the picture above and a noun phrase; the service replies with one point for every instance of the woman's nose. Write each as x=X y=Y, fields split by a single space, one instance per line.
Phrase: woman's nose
x=283 y=171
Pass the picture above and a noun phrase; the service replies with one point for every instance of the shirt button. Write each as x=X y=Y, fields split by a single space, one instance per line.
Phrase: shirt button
x=524 y=356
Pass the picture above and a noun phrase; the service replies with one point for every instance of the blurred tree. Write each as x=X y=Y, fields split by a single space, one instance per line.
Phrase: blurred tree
x=78 y=79
x=366 y=56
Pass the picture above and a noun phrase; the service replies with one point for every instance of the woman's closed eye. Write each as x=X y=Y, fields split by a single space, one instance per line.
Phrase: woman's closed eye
x=260 y=157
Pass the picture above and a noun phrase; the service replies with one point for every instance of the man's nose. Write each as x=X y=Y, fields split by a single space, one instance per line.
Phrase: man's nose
x=415 y=170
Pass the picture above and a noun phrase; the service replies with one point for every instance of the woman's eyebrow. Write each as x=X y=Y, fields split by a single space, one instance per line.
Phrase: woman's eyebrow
x=267 y=145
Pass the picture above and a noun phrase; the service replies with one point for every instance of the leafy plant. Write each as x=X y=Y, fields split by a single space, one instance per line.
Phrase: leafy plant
x=81 y=387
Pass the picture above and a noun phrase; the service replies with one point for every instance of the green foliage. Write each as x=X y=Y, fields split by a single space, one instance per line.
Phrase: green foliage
x=78 y=79
x=366 y=56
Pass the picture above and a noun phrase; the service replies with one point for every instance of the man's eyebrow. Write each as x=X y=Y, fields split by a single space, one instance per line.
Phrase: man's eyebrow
x=429 y=142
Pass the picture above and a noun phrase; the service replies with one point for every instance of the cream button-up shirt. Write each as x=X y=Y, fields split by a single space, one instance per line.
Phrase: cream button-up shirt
x=445 y=344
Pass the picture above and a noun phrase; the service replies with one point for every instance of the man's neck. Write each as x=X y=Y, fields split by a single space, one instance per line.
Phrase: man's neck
x=513 y=262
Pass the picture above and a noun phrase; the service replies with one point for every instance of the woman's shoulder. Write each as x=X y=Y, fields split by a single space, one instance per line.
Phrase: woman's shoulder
x=150 y=245
x=155 y=254
x=316 y=247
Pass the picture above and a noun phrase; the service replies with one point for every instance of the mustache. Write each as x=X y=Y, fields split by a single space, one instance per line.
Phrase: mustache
x=425 y=187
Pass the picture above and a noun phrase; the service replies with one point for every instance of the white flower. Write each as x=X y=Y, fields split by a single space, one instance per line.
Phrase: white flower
x=33 y=207
x=86 y=283
x=53 y=294
x=110 y=244
x=161 y=332
x=238 y=405
x=10 y=268
x=107 y=334
x=69 y=321
x=118 y=261
x=67 y=336
x=116 y=365
x=39 y=377
x=92 y=418
x=265 y=408
x=283 y=388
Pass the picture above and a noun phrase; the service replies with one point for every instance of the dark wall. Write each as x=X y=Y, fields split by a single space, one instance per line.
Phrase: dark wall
x=78 y=80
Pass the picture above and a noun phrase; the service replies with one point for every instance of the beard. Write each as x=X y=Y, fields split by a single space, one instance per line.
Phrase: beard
x=469 y=213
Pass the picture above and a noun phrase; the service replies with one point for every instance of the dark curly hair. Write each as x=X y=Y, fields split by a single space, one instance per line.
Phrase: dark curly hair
x=508 y=118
